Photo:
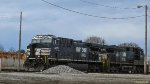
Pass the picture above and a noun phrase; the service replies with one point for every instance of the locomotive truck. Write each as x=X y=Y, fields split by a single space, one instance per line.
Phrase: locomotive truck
x=46 y=51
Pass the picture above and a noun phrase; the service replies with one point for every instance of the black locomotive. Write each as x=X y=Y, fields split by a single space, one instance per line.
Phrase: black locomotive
x=48 y=50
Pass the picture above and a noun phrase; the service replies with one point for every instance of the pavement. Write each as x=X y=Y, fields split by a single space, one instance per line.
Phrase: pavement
x=68 y=78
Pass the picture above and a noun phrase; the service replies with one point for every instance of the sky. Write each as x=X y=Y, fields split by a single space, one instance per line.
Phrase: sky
x=40 y=17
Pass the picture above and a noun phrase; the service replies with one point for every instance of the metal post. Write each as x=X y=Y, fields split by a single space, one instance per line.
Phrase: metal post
x=0 y=64
x=145 y=57
x=19 y=42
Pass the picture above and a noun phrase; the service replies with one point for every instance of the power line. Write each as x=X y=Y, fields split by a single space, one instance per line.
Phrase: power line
x=104 y=5
x=88 y=14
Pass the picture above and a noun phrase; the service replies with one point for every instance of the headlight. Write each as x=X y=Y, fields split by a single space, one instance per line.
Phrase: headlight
x=38 y=56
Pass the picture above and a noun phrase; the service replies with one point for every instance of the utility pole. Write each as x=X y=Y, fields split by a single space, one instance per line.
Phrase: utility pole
x=145 y=54
x=19 y=53
x=145 y=57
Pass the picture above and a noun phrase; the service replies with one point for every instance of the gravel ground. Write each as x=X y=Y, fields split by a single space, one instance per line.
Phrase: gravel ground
x=67 y=78
x=61 y=69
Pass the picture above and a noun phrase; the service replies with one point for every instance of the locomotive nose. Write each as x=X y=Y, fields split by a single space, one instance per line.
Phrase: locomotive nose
x=39 y=50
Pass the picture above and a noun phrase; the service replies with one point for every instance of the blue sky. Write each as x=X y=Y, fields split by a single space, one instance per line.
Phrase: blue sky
x=42 y=18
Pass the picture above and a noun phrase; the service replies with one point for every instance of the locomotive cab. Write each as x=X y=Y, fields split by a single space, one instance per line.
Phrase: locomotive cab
x=38 y=51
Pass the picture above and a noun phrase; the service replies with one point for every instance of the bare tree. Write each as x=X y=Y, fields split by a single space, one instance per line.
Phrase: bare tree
x=1 y=48
x=22 y=51
x=131 y=44
x=12 y=49
x=95 y=40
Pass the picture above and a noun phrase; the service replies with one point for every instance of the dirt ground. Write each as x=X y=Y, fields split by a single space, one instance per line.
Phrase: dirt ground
x=90 y=78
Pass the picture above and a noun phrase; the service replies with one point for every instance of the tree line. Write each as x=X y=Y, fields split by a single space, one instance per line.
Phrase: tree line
x=101 y=41
x=11 y=49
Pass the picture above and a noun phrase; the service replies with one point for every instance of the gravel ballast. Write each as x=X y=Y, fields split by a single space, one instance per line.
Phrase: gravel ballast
x=61 y=69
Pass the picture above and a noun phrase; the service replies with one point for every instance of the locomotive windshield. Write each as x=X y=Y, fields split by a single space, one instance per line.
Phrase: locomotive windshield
x=42 y=39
